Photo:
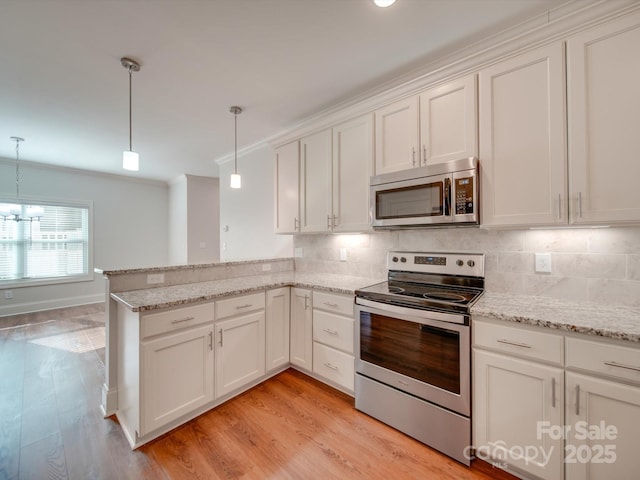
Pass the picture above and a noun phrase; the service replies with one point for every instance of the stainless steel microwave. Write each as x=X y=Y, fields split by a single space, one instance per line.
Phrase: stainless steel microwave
x=436 y=195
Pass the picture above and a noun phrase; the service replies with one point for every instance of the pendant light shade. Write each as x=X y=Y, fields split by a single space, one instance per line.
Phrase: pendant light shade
x=130 y=159
x=236 y=180
x=384 y=3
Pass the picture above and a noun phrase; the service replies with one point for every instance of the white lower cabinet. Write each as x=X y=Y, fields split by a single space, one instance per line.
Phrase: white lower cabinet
x=333 y=339
x=178 y=375
x=555 y=406
x=239 y=344
x=277 y=328
x=602 y=410
x=514 y=399
x=301 y=341
x=175 y=363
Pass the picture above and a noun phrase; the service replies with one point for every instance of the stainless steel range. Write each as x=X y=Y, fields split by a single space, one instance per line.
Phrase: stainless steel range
x=414 y=347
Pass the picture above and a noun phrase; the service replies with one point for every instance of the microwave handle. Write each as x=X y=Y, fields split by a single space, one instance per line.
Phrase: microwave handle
x=447 y=197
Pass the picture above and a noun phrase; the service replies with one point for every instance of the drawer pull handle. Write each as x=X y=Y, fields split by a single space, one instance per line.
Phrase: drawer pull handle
x=331 y=366
x=331 y=332
x=210 y=340
x=332 y=305
x=622 y=365
x=577 y=399
x=182 y=320
x=553 y=392
x=246 y=305
x=515 y=344
x=221 y=337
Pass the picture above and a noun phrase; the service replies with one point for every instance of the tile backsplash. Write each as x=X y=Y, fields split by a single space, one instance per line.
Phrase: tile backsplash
x=596 y=264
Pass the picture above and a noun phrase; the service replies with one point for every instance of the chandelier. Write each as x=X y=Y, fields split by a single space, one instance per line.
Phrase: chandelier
x=14 y=212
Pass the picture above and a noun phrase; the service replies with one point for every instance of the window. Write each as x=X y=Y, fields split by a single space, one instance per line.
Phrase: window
x=44 y=242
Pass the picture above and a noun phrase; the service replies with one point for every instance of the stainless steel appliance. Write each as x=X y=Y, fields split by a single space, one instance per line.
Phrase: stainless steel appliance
x=440 y=194
x=413 y=347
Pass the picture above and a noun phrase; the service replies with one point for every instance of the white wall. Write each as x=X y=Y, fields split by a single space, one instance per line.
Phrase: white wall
x=178 y=212
x=203 y=219
x=129 y=227
x=248 y=212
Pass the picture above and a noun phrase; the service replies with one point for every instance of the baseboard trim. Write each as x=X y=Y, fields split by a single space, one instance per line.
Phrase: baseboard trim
x=32 y=307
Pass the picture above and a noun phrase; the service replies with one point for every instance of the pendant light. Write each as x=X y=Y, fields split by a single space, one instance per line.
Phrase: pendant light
x=236 y=180
x=130 y=159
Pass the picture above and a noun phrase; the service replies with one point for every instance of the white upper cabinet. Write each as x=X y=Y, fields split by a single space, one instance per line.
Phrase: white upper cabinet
x=397 y=136
x=522 y=140
x=287 y=218
x=315 y=182
x=449 y=122
x=352 y=167
x=603 y=70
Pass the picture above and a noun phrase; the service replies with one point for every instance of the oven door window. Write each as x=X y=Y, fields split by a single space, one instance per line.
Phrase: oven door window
x=424 y=200
x=425 y=353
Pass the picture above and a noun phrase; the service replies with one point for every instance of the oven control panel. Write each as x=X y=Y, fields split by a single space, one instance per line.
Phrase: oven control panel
x=468 y=264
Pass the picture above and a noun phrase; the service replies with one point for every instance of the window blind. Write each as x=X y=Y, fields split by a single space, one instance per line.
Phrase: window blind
x=54 y=245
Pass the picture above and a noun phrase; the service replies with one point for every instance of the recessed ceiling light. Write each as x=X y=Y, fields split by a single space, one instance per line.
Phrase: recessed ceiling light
x=384 y=3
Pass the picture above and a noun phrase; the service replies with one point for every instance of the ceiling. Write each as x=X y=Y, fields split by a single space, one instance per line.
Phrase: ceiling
x=63 y=89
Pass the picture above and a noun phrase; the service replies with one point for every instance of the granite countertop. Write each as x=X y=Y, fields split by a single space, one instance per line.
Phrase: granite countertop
x=171 y=296
x=583 y=317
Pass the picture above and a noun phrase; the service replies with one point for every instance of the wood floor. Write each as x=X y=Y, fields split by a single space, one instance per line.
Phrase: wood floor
x=290 y=427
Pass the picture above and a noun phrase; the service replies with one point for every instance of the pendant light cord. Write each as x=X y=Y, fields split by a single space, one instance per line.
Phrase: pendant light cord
x=130 y=115
x=235 y=124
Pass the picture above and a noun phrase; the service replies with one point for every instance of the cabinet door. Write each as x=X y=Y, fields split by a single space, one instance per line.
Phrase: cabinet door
x=277 y=328
x=301 y=329
x=315 y=182
x=239 y=349
x=513 y=400
x=522 y=140
x=611 y=412
x=286 y=188
x=352 y=167
x=449 y=122
x=397 y=136
x=604 y=100
x=176 y=376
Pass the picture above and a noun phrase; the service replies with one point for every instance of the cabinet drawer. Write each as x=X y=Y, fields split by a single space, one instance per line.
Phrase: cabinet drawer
x=333 y=365
x=170 y=320
x=333 y=330
x=599 y=357
x=520 y=341
x=342 y=304
x=237 y=305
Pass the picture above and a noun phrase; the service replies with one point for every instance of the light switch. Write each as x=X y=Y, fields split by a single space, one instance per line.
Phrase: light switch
x=543 y=262
x=343 y=254
x=298 y=252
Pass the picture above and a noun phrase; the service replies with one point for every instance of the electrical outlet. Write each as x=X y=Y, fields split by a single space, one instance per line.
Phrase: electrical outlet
x=543 y=262
x=298 y=252
x=343 y=254
x=8 y=294
x=266 y=267
x=155 y=278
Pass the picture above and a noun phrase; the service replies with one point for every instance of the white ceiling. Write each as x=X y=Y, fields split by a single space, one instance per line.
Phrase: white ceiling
x=62 y=87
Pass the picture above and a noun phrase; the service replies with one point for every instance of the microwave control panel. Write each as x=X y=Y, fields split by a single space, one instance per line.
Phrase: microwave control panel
x=464 y=195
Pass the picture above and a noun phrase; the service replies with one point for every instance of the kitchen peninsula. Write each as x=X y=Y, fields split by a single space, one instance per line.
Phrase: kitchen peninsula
x=162 y=318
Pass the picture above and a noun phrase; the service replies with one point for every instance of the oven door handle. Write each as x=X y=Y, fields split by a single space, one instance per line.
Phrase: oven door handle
x=418 y=314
